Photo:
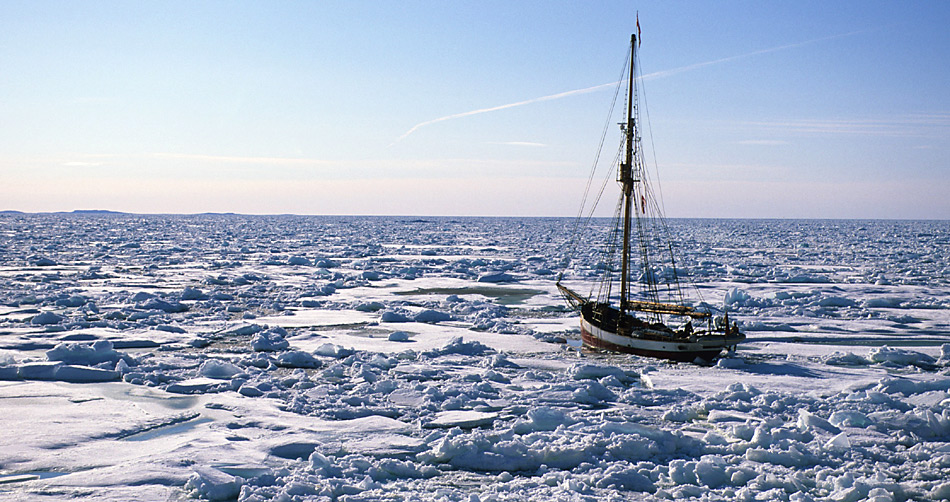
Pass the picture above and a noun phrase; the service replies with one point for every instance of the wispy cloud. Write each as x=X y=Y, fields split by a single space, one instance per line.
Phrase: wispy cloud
x=81 y=164
x=241 y=160
x=762 y=142
x=610 y=85
x=559 y=95
x=518 y=143
x=695 y=66
x=900 y=125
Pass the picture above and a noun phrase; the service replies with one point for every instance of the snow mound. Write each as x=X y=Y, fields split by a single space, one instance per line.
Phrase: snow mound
x=900 y=357
x=399 y=336
x=270 y=341
x=221 y=370
x=84 y=374
x=84 y=353
x=497 y=277
x=211 y=484
x=334 y=351
x=46 y=318
x=297 y=359
x=431 y=316
x=458 y=346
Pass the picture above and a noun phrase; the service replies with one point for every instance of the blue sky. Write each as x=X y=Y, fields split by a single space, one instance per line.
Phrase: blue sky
x=757 y=109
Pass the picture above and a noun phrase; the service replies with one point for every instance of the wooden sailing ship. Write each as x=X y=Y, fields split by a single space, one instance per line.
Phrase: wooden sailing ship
x=644 y=325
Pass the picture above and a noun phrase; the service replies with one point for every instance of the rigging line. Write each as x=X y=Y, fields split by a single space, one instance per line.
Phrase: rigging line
x=606 y=281
x=646 y=109
x=660 y=203
x=578 y=228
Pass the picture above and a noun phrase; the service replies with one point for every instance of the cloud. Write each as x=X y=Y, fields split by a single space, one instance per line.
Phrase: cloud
x=900 y=125
x=81 y=164
x=610 y=85
x=550 y=97
x=241 y=160
x=682 y=69
x=519 y=143
x=762 y=142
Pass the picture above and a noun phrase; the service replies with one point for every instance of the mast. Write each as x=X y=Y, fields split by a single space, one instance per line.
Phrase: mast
x=626 y=181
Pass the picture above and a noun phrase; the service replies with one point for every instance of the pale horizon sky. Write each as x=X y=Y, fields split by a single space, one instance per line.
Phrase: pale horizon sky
x=490 y=108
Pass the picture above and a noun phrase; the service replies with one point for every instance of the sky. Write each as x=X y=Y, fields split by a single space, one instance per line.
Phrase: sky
x=806 y=109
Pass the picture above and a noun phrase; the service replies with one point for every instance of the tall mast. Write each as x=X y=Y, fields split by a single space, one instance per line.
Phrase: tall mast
x=626 y=181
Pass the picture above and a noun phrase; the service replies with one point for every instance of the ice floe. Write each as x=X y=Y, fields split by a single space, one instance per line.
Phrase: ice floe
x=226 y=357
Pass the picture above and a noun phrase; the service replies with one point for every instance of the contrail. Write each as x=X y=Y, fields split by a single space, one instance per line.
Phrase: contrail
x=674 y=71
x=650 y=76
x=502 y=107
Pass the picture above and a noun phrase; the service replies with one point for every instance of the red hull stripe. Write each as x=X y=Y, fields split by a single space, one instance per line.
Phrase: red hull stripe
x=682 y=356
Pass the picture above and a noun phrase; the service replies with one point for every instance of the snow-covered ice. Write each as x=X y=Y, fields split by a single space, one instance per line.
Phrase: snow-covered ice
x=228 y=357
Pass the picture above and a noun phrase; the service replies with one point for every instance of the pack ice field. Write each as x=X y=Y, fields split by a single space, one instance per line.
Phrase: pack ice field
x=264 y=358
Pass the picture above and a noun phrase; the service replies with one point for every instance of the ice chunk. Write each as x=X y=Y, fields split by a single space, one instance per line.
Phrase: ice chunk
x=335 y=351
x=502 y=361
x=736 y=296
x=464 y=419
x=46 y=318
x=541 y=419
x=369 y=307
x=326 y=263
x=212 y=484
x=432 y=316
x=298 y=260
x=625 y=478
x=682 y=414
x=169 y=328
x=38 y=371
x=730 y=362
x=593 y=392
x=849 y=418
x=245 y=330
x=297 y=359
x=396 y=469
x=370 y=275
x=711 y=471
x=807 y=420
x=846 y=359
x=944 y=355
x=84 y=353
x=250 y=391
x=900 y=357
x=887 y=302
x=8 y=372
x=217 y=369
x=839 y=442
x=399 y=336
x=269 y=341
x=496 y=277
x=83 y=374
x=836 y=301
x=392 y=316
x=196 y=386
x=191 y=293
x=458 y=346
x=167 y=307
x=941 y=491
x=582 y=371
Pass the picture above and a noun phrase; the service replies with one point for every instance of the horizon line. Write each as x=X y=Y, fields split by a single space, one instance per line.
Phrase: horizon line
x=93 y=212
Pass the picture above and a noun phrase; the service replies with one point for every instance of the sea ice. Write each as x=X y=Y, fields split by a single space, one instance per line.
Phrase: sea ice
x=193 y=359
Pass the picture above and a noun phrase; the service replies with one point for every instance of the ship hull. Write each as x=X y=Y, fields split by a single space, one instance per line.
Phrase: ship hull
x=706 y=348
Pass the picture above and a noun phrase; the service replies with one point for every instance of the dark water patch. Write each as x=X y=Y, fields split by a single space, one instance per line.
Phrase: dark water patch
x=504 y=296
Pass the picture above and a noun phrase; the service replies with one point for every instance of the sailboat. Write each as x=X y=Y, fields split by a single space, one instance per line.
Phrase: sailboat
x=640 y=323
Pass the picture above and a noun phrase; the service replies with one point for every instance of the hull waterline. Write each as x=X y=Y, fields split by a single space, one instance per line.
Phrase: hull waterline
x=706 y=348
